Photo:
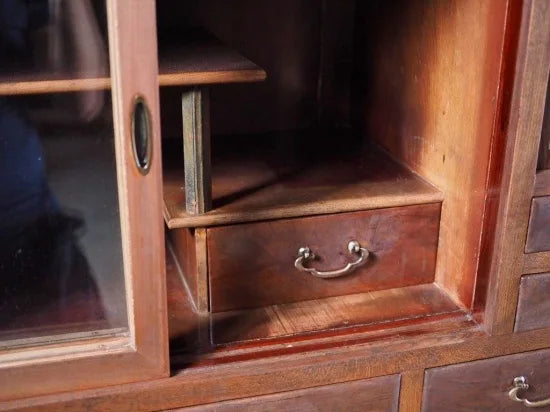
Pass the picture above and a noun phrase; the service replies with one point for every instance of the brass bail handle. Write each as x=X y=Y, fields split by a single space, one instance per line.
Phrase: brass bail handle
x=520 y=384
x=354 y=248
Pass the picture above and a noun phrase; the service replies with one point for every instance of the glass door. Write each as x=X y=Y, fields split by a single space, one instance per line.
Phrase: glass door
x=82 y=289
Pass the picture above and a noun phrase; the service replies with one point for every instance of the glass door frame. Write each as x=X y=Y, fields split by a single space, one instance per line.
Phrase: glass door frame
x=142 y=353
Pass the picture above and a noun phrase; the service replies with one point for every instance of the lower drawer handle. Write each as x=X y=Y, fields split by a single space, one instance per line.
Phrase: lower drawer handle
x=520 y=384
x=305 y=254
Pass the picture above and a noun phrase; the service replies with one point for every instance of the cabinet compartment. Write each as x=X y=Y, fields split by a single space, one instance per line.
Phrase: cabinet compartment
x=366 y=106
x=484 y=385
x=253 y=265
x=378 y=394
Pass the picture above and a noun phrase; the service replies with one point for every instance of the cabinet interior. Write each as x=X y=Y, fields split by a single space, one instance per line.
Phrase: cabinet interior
x=364 y=106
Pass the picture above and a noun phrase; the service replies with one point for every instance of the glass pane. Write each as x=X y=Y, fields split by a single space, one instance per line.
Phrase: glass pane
x=61 y=268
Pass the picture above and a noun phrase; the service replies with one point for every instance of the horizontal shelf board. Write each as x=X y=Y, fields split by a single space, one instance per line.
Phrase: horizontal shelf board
x=331 y=313
x=271 y=183
x=202 y=59
x=542 y=183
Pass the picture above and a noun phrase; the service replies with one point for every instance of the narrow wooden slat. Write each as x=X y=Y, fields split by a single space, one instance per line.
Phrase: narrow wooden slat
x=536 y=263
x=412 y=384
x=542 y=183
x=524 y=130
x=196 y=151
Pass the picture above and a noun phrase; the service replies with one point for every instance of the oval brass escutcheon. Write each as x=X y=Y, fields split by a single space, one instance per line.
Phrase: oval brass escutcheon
x=141 y=135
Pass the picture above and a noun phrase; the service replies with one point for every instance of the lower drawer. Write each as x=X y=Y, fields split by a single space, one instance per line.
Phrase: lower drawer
x=252 y=265
x=485 y=385
x=378 y=394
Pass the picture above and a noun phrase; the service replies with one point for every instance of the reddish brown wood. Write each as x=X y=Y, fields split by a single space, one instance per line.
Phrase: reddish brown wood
x=534 y=303
x=379 y=394
x=252 y=264
x=269 y=177
x=538 y=234
x=341 y=312
x=484 y=385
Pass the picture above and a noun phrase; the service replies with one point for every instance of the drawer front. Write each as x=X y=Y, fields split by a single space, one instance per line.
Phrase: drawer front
x=252 y=265
x=534 y=303
x=379 y=394
x=538 y=235
x=484 y=385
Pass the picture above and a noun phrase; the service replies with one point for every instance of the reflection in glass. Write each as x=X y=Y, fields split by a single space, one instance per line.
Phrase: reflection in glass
x=61 y=265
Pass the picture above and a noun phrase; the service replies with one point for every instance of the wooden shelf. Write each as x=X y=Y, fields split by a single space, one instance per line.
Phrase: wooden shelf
x=200 y=60
x=225 y=334
x=273 y=177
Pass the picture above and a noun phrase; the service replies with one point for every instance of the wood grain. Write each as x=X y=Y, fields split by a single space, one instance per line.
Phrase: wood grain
x=524 y=129
x=257 y=178
x=200 y=60
x=544 y=147
x=533 y=303
x=196 y=386
x=542 y=183
x=538 y=233
x=413 y=64
x=252 y=265
x=144 y=353
x=189 y=249
x=195 y=107
x=484 y=385
x=410 y=397
x=382 y=307
x=379 y=394
x=536 y=263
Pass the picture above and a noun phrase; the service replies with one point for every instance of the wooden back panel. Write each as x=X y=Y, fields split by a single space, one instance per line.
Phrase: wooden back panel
x=427 y=77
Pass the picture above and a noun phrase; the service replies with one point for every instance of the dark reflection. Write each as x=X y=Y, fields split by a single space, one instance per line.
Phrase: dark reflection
x=47 y=284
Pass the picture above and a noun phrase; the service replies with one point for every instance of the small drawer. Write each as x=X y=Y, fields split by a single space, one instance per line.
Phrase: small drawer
x=538 y=235
x=378 y=394
x=485 y=385
x=534 y=303
x=253 y=265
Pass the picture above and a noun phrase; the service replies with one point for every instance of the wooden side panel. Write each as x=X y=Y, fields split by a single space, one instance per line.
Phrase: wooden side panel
x=428 y=82
x=526 y=114
x=534 y=303
x=538 y=234
x=189 y=249
x=252 y=264
x=379 y=394
x=484 y=385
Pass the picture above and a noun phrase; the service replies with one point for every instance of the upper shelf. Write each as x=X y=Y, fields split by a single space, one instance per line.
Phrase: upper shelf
x=200 y=60
x=260 y=178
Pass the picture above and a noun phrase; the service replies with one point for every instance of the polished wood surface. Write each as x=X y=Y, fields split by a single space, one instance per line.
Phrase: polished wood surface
x=341 y=312
x=252 y=264
x=379 y=394
x=484 y=385
x=534 y=303
x=538 y=233
x=414 y=61
x=410 y=396
x=266 y=177
x=524 y=128
x=200 y=59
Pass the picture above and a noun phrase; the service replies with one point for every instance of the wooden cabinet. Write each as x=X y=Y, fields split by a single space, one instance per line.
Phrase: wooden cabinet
x=290 y=129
